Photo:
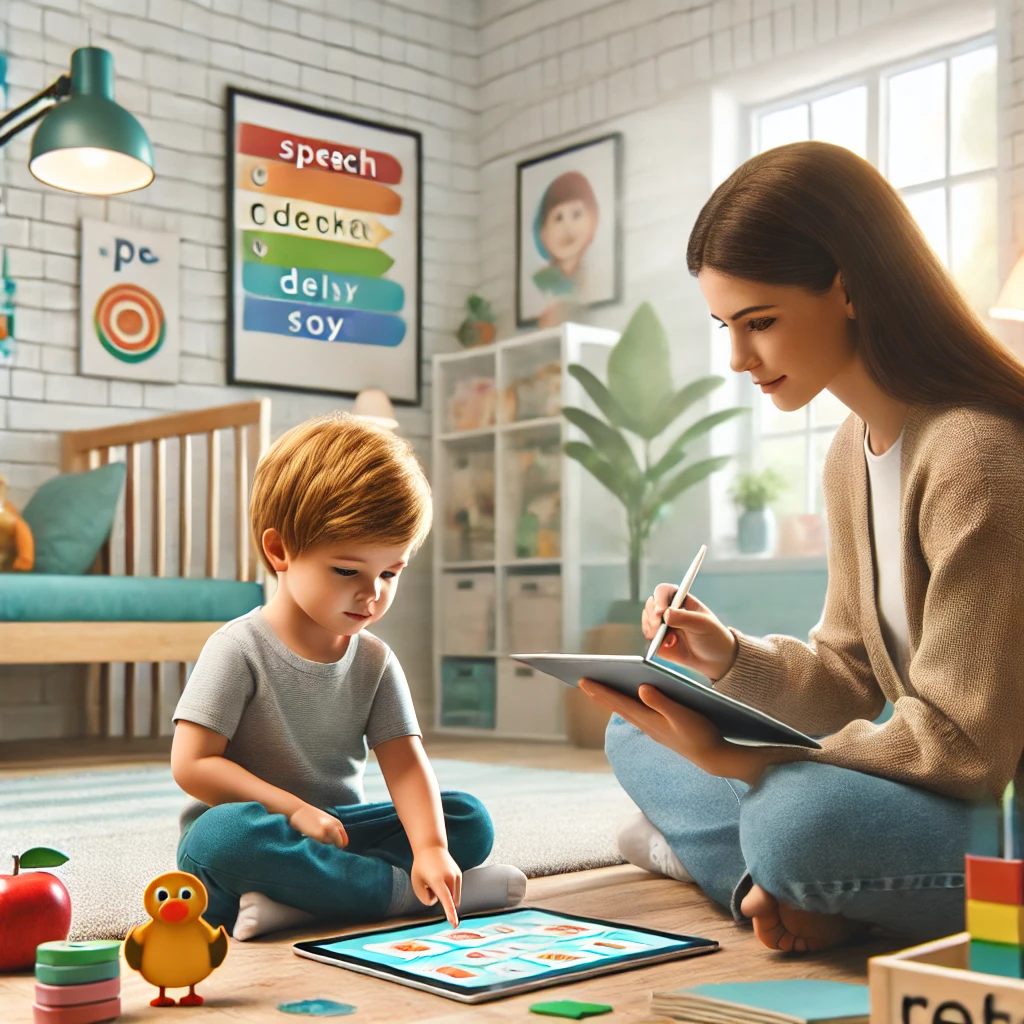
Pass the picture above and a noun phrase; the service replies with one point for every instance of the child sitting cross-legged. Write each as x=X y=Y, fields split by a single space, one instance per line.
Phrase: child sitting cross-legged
x=273 y=728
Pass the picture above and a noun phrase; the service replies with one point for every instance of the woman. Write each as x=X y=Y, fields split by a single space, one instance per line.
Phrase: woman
x=811 y=261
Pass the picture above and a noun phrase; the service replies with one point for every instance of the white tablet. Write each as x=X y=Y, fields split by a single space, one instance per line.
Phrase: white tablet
x=490 y=956
x=738 y=722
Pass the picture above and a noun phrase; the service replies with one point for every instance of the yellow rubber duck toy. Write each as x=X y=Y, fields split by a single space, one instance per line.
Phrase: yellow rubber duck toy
x=177 y=947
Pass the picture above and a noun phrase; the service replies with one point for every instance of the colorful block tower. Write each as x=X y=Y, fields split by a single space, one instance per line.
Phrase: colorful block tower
x=77 y=982
x=995 y=905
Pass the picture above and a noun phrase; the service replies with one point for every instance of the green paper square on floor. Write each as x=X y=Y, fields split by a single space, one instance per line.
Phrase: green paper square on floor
x=570 y=1008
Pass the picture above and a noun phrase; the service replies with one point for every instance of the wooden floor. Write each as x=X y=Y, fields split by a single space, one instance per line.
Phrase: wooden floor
x=260 y=974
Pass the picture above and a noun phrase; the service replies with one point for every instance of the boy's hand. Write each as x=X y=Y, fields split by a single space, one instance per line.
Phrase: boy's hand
x=436 y=877
x=319 y=825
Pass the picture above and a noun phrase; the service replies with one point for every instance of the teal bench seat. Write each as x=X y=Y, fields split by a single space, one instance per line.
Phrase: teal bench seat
x=27 y=597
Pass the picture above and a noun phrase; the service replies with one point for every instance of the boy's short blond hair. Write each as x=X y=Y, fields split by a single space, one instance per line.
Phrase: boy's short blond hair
x=336 y=478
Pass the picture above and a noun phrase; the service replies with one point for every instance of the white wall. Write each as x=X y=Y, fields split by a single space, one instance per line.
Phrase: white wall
x=411 y=63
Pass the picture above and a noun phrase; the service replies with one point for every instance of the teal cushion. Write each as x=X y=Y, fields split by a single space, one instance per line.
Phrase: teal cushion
x=25 y=597
x=70 y=517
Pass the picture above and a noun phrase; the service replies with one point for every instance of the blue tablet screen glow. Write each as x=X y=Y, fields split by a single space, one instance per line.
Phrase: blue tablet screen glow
x=489 y=949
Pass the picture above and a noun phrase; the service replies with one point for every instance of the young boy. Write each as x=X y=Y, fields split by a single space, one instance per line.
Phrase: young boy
x=272 y=729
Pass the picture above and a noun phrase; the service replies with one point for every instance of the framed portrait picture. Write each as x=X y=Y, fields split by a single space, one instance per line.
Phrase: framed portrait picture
x=324 y=250
x=568 y=228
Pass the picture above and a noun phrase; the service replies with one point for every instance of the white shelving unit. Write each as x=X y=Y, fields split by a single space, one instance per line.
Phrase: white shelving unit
x=516 y=525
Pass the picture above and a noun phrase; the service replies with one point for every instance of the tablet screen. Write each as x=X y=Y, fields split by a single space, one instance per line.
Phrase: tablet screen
x=503 y=949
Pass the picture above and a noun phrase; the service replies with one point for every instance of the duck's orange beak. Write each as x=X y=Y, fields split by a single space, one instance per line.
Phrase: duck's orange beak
x=174 y=911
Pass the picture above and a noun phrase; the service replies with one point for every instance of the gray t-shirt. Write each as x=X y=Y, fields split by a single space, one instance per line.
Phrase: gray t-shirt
x=301 y=725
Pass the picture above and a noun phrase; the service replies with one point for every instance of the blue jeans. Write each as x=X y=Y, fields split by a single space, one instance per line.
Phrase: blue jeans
x=815 y=836
x=238 y=847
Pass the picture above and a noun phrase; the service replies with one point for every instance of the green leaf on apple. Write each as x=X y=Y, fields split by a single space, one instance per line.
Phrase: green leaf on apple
x=42 y=857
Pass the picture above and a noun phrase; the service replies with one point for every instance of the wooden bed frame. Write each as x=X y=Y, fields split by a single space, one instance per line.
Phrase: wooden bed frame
x=100 y=644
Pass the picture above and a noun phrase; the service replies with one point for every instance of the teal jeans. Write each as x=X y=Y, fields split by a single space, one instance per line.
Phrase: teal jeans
x=815 y=836
x=238 y=847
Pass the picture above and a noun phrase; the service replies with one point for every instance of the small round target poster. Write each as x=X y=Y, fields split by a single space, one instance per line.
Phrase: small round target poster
x=129 y=303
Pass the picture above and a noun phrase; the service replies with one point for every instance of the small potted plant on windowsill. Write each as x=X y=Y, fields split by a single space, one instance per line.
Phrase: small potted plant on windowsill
x=478 y=327
x=754 y=493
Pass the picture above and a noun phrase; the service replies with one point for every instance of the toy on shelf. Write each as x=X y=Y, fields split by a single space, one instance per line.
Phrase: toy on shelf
x=478 y=327
x=34 y=907
x=17 y=549
x=176 y=947
x=473 y=404
x=77 y=982
x=995 y=904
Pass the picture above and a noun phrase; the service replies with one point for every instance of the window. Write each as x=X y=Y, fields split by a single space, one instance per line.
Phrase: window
x=930 y=127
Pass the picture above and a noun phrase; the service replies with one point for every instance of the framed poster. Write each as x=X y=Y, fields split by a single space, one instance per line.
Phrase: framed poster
x=128 y=311
x=324 y=250
x=568 y=228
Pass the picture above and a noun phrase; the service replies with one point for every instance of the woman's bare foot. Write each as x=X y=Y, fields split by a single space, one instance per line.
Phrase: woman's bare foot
x=780 y=926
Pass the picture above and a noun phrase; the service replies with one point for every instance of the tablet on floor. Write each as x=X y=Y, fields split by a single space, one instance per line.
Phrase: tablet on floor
x=499 y=954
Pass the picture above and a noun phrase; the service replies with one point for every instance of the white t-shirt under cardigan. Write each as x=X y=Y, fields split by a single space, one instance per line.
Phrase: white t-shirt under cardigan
x=884 y=496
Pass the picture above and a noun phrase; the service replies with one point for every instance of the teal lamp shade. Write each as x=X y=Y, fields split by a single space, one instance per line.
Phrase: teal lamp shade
x=87 y=143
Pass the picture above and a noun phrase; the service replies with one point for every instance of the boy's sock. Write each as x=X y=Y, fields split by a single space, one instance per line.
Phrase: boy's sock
x=643 y=845
x=494 y=887
x=258 y=914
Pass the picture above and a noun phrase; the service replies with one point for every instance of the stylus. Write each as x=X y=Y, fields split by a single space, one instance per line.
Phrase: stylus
x=678 y=599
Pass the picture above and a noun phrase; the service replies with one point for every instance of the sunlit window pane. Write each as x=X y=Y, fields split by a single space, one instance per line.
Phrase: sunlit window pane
x=843 y=119
x=784 y=126
x=827 y=410
x=788 y=457
x=775 y=422
x=973 y=110
x=973 y=234
x=929 y=210
x=917 y=125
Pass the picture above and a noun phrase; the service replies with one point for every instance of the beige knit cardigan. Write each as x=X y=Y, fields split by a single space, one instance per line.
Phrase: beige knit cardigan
x=958 y=724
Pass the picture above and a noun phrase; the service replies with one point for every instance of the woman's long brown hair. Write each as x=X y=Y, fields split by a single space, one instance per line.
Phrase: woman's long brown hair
x=796 y=214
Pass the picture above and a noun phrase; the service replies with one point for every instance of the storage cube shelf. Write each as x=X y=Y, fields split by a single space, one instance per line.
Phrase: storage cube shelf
x=516 y=524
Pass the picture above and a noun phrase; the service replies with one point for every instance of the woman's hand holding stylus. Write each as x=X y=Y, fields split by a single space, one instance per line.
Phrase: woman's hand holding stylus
x=696 y=639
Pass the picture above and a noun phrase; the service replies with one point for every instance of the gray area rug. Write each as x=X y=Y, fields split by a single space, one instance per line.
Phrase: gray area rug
x=120 y=828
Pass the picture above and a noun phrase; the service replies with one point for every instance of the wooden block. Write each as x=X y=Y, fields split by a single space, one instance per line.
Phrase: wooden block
x=996 y=922
x=996 y=958
x=994 y=880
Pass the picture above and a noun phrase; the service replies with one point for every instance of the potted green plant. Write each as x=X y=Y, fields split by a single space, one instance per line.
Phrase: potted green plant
x=478 y=327
x=641 y=399
x=753 y=493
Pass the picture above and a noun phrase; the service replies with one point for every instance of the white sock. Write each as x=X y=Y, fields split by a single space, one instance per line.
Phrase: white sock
x=258 y=914
x=643 y=845
x=494 y=887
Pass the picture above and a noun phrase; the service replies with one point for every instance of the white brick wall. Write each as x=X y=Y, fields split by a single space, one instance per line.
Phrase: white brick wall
x=411 y=63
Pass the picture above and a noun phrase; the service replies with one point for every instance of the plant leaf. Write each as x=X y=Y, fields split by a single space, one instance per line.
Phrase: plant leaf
x=677 y=450
x=671 y=489
x=668 y=461
x=607 y=441
x=675 y=405
x=42 y=857
x=594 y=464
x=639 y=367
x=601 y=397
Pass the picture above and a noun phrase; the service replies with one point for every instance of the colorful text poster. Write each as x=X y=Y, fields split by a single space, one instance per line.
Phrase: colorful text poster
x=325 y=250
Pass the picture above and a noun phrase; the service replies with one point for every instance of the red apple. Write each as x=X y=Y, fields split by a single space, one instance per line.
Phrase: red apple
x=34 y=908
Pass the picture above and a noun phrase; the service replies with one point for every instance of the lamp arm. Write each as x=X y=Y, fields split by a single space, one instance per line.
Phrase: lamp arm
x=55 y=91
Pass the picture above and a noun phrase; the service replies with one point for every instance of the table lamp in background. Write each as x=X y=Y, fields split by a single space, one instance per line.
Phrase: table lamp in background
x=373 y=405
